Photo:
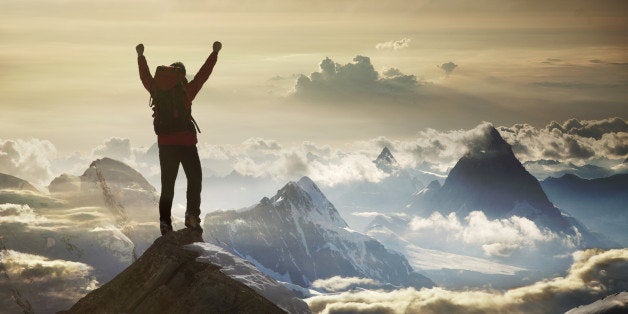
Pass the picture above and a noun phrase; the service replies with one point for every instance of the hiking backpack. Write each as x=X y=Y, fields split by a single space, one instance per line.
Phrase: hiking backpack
x=171 y=113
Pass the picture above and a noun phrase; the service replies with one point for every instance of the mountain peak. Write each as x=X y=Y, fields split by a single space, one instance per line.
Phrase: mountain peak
x=116 y=172
x=490 y=177
x=307 y=199
x=168 y=278
x=386 y=161
x=489 y=143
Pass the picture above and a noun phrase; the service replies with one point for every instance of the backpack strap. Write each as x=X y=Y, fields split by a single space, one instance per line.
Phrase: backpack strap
x=195 y=124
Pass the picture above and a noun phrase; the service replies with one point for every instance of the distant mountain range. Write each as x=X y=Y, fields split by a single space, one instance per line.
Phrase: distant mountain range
x=545 y=168
x=298 y=236
x=602 y=204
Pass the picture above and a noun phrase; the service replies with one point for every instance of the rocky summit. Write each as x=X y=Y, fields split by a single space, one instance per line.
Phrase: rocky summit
x=167 y=278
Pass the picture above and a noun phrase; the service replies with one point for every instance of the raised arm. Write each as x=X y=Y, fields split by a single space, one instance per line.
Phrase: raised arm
x=145 y=76
x=203 y=74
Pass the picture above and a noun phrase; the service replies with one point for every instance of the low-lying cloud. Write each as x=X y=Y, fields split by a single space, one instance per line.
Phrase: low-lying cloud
x=590 y=128
x=43 y=283
x=338 y=283
x=496 y=238
x=594 y=274
x=575 y=141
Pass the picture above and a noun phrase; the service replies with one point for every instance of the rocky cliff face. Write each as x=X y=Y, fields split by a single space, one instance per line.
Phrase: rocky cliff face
x=168 y=278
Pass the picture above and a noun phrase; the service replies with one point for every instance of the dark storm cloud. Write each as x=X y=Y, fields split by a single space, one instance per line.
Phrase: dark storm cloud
x=355 y=80
x=448 y=67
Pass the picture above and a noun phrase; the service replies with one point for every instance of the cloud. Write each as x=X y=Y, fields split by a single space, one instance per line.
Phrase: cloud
x=394 y=45
x=10 y=213
x=354 y=81
x=573 y=140
x=27 y=159
x=448 y=67
x=496 y=238
x=594 y=273
x=430 y=150
x=366 y=214
x=590 y=128
x=47 y=284
x=338 y=283
x=116 y=148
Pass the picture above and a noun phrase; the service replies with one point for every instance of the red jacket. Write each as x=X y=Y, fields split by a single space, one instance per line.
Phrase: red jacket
x=186 y=138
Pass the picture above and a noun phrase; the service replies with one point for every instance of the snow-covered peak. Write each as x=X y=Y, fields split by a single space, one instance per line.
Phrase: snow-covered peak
x=306 y=199
x=314 y=192
x=386 y=161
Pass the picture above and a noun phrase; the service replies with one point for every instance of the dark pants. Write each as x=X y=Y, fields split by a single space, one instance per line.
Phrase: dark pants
x=169 y=159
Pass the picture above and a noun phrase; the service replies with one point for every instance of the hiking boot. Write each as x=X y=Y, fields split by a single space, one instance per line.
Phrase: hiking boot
x=165 y=227
x=192 y=222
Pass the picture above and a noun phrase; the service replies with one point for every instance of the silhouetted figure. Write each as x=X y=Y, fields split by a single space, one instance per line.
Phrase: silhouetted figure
x=171 y=99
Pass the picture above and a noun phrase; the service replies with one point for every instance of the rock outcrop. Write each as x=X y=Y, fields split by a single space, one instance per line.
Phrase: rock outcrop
x=167 y=278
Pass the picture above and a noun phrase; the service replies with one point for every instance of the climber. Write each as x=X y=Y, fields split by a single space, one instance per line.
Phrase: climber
x=171 y=100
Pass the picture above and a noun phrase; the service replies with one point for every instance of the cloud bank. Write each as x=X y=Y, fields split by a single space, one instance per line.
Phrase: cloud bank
x=356 y=80
x=43 y=283
x=496 y=238
x=574 y=141
x=27 y=159
x=593 y=274
x=338 y=283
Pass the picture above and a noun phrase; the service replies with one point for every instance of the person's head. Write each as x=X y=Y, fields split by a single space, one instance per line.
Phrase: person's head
x=179 y=65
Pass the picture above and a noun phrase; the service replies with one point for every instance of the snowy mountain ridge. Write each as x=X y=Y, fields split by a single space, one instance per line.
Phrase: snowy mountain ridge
x=297 y=236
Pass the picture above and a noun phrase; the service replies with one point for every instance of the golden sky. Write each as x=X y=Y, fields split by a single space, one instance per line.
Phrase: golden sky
x=68 y=69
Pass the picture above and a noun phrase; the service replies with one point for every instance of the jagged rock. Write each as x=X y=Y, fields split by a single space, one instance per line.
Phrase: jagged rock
x=386 y=162
x=167 y=278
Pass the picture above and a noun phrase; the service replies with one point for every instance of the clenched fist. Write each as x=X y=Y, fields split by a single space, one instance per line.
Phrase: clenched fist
x=217 y=46
x=140 y=49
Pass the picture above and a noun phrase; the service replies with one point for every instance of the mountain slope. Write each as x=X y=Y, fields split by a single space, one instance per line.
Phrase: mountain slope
x=601 y=203
x=167 y=279
x=14 y=183
x=297 y=236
